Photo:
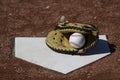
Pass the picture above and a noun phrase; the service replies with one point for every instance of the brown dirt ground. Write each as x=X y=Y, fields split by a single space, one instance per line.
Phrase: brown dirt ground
x=38 y=17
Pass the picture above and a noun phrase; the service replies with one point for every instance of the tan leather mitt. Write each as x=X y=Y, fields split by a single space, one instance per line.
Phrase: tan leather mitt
x=58 y=39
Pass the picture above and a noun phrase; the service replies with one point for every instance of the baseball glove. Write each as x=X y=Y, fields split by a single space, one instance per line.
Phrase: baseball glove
x=58 y=39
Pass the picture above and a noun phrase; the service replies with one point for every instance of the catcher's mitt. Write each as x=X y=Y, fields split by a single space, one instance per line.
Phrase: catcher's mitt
x=58 y=39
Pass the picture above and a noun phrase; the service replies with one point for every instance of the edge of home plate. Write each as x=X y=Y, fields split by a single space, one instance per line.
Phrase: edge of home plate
x=35 y=50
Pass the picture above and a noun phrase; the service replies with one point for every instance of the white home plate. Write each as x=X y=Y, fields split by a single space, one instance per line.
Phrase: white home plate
x=35 y=50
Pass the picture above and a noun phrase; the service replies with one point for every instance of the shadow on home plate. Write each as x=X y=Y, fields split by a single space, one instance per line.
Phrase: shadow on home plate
x=101 y=47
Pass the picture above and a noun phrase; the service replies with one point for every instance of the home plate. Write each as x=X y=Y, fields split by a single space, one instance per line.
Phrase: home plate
x=35 y=50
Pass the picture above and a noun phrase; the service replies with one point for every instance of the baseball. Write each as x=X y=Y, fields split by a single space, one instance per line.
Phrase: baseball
x=77 y=40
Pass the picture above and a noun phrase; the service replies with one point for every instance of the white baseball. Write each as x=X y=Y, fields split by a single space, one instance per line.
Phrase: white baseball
x=77 y=40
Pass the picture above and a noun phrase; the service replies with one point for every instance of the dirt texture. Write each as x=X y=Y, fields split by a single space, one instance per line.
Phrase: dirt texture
x=35 y=18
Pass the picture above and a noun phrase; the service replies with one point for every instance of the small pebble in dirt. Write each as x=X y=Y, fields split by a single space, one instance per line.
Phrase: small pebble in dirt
x=47 y=7
x=118 y=60
x=10 y=14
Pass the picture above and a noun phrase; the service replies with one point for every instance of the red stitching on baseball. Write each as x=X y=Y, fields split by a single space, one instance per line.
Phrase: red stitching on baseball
x=75 y=44
x=75 y=35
